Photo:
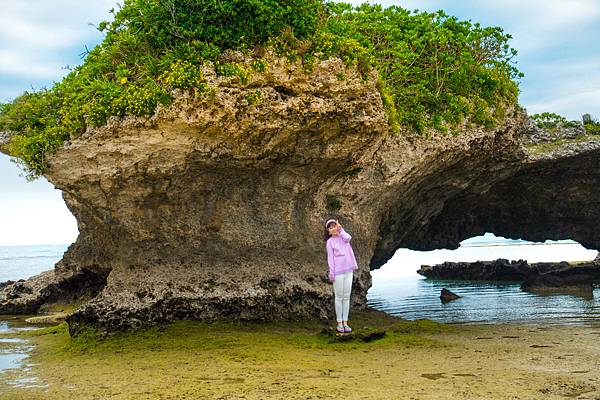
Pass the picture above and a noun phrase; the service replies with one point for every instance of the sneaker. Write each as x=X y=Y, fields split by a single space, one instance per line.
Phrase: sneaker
x=347 y=328
x=340 y=329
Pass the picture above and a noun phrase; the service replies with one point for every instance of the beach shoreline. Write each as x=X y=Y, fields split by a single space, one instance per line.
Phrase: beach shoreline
x=252 y=360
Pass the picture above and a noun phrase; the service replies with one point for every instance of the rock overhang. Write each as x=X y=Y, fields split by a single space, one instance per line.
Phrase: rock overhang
x=216 y=196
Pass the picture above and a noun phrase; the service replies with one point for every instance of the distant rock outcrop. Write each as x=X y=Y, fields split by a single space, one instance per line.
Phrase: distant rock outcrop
x=541 y=277
x=496 y=270
x=214 y=207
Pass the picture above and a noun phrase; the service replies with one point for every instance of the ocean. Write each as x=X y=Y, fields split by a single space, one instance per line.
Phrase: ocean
x=399 y=290
x=22 y=262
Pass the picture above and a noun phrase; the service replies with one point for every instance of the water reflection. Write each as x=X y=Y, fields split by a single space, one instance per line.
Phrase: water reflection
x=14 y=352
x=483 y=303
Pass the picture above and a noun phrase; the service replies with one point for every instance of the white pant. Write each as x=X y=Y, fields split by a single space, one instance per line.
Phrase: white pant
x=342 y=285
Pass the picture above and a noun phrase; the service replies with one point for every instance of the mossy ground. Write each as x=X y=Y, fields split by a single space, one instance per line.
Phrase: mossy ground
x=191 y=359
x=226 y=360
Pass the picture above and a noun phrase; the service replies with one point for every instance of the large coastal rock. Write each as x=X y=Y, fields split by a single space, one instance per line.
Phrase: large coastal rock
x=496 y=270
x=535 y=277
x=214 y=207
x=562 y=277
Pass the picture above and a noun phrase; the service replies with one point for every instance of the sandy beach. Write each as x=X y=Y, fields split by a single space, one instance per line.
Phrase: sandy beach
x=298 y=360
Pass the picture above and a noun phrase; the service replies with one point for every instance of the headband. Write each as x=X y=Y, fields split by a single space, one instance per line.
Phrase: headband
x=328 y=221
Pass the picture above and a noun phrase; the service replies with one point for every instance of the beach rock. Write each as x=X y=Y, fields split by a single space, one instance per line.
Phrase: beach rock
x=560 y=131
x=446 y=295
x=26 y=296
x=213 y=208
x=365 y=334
x=54 y=318
x=543 y=276
x=562 y=277
x=496 y=270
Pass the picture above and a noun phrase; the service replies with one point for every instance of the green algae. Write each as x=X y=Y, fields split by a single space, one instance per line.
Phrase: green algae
x=194 y=358
x=295 y=360
x=66 y=307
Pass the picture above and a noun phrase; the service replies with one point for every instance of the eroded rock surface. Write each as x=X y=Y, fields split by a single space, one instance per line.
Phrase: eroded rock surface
x=214 y=207
x=26 y=296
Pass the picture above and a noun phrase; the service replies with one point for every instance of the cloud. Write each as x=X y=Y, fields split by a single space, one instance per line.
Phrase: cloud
x=534 y=24
x=17 y=31
x=18 y=64
x=32 y=212
x=568 y=86
x=571 y=104
x=39 y=39
x=548 y=15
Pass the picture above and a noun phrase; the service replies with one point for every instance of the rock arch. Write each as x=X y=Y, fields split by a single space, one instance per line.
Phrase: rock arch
x=213 y=208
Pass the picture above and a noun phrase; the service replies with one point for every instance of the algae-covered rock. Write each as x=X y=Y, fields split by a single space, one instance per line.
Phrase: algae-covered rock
x=447 y=295
x=55 y=318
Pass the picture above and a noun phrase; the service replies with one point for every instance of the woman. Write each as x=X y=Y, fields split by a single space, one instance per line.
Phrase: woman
x=342 y=263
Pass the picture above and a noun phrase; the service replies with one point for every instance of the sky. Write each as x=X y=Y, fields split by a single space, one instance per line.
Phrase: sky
x=556 y=41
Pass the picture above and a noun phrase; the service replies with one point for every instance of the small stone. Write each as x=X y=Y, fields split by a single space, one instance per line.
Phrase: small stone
x=447 y=295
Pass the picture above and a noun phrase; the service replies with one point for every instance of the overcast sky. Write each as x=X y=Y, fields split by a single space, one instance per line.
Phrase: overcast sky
x=557 y=42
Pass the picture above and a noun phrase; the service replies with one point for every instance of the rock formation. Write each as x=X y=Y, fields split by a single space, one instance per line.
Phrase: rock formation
x=497 y=270
x=214 y=207
x=447 y=296
x=538 y=277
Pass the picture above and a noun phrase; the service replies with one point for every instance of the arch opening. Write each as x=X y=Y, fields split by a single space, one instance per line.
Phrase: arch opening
x=398 y=289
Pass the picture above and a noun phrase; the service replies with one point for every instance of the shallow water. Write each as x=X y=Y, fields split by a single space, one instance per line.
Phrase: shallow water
x=417 y=297
x=14 y=352
x=11 y=359
x=399 y=290
x=22 y=262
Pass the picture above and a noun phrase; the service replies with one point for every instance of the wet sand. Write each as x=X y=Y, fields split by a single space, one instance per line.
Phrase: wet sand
x=414 y=360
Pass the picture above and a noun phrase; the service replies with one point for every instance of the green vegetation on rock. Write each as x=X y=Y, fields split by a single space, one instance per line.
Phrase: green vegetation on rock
x=591 y=125
x=550 y=121
x=332 y=202
x=548 y=148
x=434 y=70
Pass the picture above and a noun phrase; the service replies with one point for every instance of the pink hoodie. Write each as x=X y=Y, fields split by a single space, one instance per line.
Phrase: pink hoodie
x=340 y=255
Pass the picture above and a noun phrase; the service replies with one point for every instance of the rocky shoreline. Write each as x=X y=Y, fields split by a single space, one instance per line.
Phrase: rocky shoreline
x=535 y=277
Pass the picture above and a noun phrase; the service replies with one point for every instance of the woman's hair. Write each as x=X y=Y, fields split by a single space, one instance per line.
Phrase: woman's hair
x=330 y=223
